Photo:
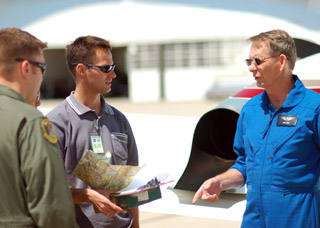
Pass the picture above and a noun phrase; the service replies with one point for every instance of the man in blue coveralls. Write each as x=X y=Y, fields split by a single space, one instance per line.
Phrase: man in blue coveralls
x=277 y=142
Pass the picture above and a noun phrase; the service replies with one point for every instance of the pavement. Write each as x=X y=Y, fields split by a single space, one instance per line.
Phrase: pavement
x=158 y=220
x=173 y=108
x=171 y=211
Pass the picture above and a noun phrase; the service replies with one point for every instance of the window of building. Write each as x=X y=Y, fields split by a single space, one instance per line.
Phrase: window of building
x=187 y=55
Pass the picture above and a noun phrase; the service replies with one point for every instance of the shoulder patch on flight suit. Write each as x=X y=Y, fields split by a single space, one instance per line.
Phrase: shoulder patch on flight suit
x=48 y=131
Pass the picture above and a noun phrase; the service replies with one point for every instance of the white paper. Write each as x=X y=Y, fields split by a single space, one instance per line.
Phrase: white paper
x=144 y=175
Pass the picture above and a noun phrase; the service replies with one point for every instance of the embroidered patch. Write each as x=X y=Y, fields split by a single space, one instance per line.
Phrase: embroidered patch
x=48 y=131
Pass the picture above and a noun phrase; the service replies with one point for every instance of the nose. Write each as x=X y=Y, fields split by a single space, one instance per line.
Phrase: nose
x=112 y=74
x=252 y=67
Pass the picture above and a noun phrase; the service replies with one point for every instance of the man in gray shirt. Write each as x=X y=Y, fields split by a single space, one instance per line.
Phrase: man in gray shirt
x=85 y=121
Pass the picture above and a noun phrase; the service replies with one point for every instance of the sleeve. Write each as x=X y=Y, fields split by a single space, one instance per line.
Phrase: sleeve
x=59 y=125
x=317 y=127
x=48 y=196
x=61 y=141
x=238 y=148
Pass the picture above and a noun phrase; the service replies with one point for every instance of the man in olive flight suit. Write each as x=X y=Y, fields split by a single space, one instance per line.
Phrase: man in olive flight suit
x=33 y=185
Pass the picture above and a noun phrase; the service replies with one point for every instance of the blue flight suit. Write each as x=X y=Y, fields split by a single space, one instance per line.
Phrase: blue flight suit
x=279 y=158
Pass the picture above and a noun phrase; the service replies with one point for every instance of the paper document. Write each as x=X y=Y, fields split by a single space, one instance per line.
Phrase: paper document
x=97 y=173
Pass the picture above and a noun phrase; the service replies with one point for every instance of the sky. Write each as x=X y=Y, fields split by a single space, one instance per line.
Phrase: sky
x=20 y=13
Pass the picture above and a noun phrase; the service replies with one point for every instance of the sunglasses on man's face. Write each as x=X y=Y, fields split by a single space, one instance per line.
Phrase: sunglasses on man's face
x=42 y=66
x=104 y=68
x=258 y=61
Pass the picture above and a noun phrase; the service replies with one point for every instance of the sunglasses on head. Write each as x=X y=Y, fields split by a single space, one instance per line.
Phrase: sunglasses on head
x=258 y=61
x=42 y=66
x=104 y=68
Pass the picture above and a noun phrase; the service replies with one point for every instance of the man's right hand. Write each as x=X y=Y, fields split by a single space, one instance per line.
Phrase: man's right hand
x=209 y=191
x=212 y=188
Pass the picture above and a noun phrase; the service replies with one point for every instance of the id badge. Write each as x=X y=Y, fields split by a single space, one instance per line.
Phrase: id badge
x=96 y=143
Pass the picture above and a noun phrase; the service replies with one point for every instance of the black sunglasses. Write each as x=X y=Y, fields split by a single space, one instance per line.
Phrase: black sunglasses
x=258 y=61
x=104 y=68
x=42 y=66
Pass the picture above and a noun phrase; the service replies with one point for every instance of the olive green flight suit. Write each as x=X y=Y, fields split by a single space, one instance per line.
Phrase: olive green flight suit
x=33 y=186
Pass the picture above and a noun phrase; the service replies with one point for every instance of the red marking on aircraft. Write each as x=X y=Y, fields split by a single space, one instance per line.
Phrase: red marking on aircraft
x=252 y=91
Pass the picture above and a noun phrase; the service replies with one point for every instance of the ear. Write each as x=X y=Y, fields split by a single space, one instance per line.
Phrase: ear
x=283 y=62
x=24 y=67
x=80 y=69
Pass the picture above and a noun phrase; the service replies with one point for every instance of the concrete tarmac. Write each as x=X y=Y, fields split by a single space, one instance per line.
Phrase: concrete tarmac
x=174 y=108
x=195 y=109
x=158 y=220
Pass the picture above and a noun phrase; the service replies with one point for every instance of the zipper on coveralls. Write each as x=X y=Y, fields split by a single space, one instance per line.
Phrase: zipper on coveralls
x=265 y=137
x=268 y=126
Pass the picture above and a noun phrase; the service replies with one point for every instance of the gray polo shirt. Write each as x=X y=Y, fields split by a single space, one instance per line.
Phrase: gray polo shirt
x=73 y=123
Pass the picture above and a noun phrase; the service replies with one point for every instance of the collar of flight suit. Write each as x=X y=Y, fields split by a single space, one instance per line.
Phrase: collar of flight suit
x=4 y=90
x=296 y=95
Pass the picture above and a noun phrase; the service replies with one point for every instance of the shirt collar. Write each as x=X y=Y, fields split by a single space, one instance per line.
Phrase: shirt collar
x=81 y=109
x=295 y=96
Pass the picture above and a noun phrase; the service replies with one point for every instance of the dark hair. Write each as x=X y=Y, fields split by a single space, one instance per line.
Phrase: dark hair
x=279 y=42
x=83 y=49
x=16 y=43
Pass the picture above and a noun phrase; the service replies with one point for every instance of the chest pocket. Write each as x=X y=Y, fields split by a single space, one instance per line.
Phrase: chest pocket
x=120 y=148
x=252 y=149
x=287 y=136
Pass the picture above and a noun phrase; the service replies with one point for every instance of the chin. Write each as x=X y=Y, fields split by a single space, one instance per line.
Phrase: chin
x=260 y=85
x=106 y=91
